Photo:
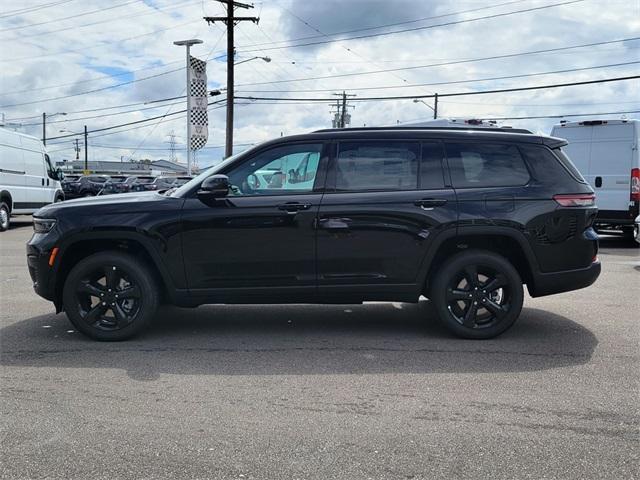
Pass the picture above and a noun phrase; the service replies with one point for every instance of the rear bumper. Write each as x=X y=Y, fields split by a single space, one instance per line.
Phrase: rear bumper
x=565 y=281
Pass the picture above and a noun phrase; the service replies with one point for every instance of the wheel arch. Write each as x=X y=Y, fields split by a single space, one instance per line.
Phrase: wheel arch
x=5 y=196
x=503 y=241
x=75 y=250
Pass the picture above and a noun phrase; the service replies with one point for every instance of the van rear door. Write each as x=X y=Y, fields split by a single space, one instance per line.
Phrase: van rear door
x=611 y=159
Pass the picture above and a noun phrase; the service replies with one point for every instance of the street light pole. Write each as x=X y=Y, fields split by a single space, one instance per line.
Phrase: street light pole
x=188 y=43
x=44 y=124
x=434 y=108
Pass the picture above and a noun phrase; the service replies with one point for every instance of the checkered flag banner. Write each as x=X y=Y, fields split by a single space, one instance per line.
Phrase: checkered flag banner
x=198 y=111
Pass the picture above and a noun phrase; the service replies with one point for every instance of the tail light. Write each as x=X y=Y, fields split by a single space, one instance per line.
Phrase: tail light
x=576 y=200
x=635 y=185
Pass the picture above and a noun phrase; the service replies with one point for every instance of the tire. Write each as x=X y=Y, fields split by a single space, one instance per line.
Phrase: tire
x=465 y=305
x=5 y=217
x=105 y=280
x=58 y=199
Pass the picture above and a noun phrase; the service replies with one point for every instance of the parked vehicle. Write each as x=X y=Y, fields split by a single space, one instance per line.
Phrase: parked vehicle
x=85 y=186
x=606 y=153
x=115 y=184
x=138 y=185
x=158 y=184
x=181 y=181
x=636 y=229
x=462 y=216
x=28 y=181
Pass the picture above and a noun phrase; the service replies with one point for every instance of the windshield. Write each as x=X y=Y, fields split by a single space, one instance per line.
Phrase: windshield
x=179 y=192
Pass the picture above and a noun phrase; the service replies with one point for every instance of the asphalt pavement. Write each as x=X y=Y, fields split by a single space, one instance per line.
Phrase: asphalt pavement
x=375 y=391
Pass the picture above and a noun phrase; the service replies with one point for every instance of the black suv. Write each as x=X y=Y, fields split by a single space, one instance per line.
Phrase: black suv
x=464 y=217
x=85 y=186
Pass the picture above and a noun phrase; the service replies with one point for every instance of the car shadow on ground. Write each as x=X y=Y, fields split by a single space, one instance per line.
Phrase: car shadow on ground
x=300 y=340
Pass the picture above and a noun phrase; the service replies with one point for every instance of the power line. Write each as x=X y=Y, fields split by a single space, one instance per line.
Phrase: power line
x=446 y=24
x=441 y=64
x=19 y=27
x=110 y=43
x=440 y=95
x=361 y=99
x=76 y=27
x=22 y=11
x=455 y=81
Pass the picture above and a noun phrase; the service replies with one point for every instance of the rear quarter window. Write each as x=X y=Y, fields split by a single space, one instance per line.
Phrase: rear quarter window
x=568 y=164
x=486 y=165
x=551 y=168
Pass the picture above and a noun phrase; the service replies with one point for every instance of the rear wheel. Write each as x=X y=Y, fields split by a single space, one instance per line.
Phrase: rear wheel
x=477 y=294
x=5 y=217
x=110 y=296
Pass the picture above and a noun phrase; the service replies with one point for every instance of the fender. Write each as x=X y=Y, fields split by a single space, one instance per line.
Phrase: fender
x=478 y=231
x=119 y=235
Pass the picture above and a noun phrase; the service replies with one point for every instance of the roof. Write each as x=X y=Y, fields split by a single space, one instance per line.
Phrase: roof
x=595 y=121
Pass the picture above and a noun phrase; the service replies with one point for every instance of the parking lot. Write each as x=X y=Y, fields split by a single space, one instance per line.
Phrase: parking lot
x=303 y=391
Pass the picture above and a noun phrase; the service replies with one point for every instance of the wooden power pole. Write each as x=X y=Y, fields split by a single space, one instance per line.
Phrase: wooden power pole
x=230 y=21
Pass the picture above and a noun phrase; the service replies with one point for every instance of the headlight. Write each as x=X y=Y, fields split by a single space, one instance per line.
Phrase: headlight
x=43 y=225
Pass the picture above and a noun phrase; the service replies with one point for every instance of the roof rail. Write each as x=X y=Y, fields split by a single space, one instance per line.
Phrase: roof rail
x=400 y=127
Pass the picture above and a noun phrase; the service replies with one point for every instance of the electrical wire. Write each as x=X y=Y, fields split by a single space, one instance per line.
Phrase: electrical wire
x=446 y=24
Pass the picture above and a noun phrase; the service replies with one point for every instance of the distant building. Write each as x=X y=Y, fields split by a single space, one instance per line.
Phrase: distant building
x=151 y=167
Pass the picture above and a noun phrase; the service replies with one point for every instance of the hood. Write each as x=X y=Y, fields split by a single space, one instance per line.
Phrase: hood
x=110 y=204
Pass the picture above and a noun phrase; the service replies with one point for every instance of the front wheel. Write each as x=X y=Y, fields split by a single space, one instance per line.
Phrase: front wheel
x=110 y=296
x=477 y=294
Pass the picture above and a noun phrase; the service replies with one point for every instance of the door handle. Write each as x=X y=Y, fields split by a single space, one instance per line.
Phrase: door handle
x=293 y=207
x=598 y=182
x=335 y=223
x=430 y=203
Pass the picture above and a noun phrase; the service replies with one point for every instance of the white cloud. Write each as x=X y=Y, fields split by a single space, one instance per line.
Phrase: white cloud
x=74 y=55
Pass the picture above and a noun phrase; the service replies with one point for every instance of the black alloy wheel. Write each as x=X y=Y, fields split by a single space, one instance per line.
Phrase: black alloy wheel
x=110 y=296
x=478 y=294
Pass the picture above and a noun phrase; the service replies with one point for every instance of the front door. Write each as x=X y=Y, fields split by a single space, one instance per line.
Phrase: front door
x=385 y=202
x=260 y=239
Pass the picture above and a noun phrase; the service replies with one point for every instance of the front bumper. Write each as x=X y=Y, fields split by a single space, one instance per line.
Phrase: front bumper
x=564 y=281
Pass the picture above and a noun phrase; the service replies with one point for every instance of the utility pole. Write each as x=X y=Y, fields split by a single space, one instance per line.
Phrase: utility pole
x=86 y=152
x=342 y=118
x=435 y=107
x=230 y=21
x=77 y=149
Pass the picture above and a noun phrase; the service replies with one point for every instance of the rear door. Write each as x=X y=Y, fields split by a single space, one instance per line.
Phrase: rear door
x=384 y=204
x=610 y=164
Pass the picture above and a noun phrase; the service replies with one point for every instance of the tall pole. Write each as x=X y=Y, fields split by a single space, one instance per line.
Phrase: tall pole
x=228 y=144
x=231 y=21
x=188 y=49
x=86 y=151
x=344 y=108
x=77 y=150
x=435 y=107
x=44 y=128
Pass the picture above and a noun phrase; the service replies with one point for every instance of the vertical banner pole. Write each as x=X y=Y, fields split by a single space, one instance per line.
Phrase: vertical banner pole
x=188 y=91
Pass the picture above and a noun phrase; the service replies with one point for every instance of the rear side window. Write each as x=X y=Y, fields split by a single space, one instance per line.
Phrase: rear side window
x=370 y=165
x=486 y=165
x=568 y=164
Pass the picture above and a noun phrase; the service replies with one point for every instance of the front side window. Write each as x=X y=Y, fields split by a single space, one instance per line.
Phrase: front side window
x=370 y=165
x=486 y=165
x=280 y=171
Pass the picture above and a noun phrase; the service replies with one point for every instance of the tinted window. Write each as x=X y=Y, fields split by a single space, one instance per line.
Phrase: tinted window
x=279 y=171
x=431 y=175
x=486 y=165
x=568 y=164
x=377 y=166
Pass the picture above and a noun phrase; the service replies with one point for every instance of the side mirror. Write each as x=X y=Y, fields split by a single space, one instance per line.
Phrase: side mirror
x=59 y=174
x=215 y=186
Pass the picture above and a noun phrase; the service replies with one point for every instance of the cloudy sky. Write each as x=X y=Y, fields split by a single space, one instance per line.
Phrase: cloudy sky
x=102 y=62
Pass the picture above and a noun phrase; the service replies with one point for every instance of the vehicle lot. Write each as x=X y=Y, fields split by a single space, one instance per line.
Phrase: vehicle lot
x=368 y=391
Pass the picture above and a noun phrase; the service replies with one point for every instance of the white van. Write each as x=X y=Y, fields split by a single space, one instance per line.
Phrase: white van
x=28 y=181
x=606 y=153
